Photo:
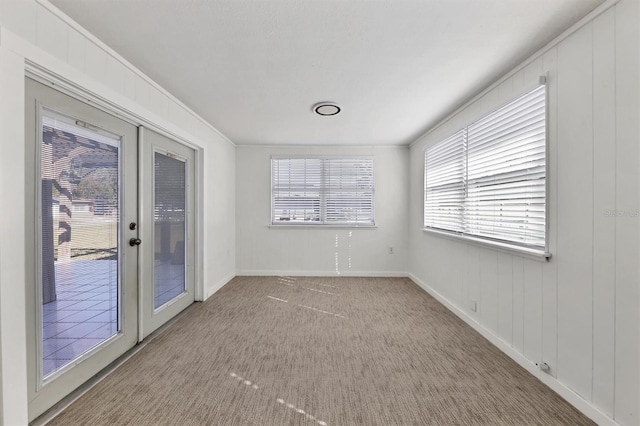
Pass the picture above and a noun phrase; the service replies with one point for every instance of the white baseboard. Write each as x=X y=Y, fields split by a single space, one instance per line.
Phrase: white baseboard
x=573 y=398
x=208 y=292
x=275 y=273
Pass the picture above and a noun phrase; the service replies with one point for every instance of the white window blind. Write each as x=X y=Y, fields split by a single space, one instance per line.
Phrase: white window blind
x=445 y=189
x=322 y=191
x=296 y=189
x=503 y=156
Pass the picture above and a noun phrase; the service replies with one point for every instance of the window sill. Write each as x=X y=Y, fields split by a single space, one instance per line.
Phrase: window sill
x=308 y=226
x=495 y=245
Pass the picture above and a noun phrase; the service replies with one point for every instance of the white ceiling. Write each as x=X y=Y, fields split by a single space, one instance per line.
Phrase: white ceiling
x=255 y=68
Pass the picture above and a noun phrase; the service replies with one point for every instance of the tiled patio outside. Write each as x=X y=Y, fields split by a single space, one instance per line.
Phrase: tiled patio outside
x=85 y=312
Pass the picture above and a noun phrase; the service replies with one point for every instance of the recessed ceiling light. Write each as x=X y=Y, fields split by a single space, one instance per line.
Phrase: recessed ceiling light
x=326 y=108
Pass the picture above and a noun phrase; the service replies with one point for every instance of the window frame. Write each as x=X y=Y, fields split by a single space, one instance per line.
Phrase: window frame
x=529 y=250
x=323 y=195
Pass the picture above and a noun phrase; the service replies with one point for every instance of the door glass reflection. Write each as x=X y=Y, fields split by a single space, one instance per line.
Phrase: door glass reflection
x=79 y=234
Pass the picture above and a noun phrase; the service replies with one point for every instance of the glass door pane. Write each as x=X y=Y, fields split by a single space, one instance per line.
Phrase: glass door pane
x=80 y=219
x=169 y=221
x=167 y=258
x=81 y=271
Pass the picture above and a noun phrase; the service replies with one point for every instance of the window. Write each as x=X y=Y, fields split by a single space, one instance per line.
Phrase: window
x=488 y=180
x=322 y=191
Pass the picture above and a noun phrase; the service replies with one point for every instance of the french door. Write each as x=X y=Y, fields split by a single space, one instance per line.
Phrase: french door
x=167 y=270
x=111 y=240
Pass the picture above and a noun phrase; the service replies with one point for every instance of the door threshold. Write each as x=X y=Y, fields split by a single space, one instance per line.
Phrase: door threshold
x=59 y=407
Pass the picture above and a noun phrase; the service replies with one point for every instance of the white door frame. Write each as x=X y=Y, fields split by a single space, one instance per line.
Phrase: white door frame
x=43 y=76
x=20 y=57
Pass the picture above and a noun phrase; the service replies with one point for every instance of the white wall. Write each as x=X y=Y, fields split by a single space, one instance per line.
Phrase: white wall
x=219 y=218
x=264 y=250
x=12 y=262
x=35 y=31
x=578 y=312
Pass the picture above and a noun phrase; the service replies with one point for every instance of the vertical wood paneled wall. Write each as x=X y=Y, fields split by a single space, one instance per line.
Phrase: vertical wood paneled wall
x=579 y=311
x=41 y=25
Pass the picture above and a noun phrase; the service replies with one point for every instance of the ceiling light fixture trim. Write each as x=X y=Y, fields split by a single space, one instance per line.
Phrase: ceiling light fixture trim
x=326 y=109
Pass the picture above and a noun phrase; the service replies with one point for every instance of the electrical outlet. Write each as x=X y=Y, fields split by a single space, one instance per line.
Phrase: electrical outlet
x=473 y=305
x=544 y=367
x=390 y=249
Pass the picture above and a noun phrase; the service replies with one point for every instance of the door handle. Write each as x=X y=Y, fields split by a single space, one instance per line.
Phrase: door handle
x=135 y=242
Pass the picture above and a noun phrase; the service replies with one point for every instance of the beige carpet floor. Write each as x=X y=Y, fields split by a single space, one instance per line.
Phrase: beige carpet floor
x=320 y=351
